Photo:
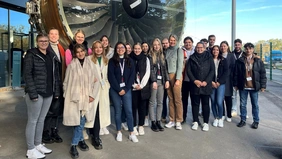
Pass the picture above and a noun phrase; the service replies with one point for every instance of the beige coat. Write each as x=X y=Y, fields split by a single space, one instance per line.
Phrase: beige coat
x=103 y=97
x=72 y=112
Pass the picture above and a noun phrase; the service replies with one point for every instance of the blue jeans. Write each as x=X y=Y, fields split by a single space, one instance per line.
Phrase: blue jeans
x=77 y=131
x=243 y=104
x=217 y=97
x=126 y=105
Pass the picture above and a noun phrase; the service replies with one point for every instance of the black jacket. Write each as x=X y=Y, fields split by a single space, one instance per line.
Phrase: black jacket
x=140 y=66
x=221 y=71
x=201 y=69
x=164 y=72
x=259 y=74
x=35 y=74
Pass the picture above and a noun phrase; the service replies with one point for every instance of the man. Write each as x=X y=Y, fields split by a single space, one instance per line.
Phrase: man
x=205 y=42
x=165 y=45
x=188 y=50
x=211 y=39
x=237 y=53
x=50 y=133
x=249 y=78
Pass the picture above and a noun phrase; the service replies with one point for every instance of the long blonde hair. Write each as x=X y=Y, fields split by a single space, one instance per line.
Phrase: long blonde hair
x=95 y=57
x=155 y=54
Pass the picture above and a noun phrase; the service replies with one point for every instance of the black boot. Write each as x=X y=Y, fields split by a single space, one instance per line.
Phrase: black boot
x=46 y=138
x=73 y=152
x=159 y=126
x=55 y=136
x=82 y=145
x=97 y=143
x=154 y=126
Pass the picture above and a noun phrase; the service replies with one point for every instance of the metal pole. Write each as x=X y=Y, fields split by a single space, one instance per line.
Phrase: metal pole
x=233 y=27
x=270 y=55
x=9 y=53
x=260 y=52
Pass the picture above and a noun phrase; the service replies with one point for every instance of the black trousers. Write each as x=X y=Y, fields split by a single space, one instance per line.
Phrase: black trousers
x=138 y=105
x=228 y=104
x=185 y=91
x=204 y=99
x=55 y=111
x=96 y=128
x=164 y=113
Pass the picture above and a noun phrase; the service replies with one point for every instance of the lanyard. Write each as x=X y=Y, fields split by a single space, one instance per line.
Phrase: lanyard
x=101 y=70
x=121 y=70
x=159 y=69
x=239 y=55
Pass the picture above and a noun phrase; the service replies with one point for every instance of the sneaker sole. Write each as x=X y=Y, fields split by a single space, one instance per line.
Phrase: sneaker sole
x=37 y=158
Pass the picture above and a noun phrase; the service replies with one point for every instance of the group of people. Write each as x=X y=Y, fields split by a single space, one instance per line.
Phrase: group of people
x=82 y=83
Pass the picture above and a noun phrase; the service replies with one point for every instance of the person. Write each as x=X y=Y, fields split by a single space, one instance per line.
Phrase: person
x=146 y=49
x=226 y=53
x=128 y=48
x=205 y=42
x=160 y=82
x=188 y=50
x=80 y=92
x=41 y=75
x=121 y=74
x=165 y=45
x=106 y=45
x=211 y=40
x=50 y=131
x=79 y=38
x=109 y=52
x=102 y=105
x=174 y=58
x=218 y=86
x=237 y=53
x=200 y=70
x=141 y=88
x=249 y=78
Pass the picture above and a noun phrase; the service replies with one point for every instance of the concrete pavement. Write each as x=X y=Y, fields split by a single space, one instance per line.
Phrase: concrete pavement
x=218 y=143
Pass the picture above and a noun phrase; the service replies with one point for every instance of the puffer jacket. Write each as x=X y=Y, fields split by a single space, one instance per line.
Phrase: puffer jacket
x=202 y=69
x=35 y=74
x=259 y=74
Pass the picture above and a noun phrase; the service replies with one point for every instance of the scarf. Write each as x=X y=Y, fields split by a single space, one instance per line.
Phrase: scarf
x=82 y=83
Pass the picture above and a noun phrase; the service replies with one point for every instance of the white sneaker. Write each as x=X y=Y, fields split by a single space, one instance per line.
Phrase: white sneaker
x=119 y=136
x=124 y=126
x=205 y=127
x=106 y=131
x=146 y=122
x=133 y=138
x=141 y=130
x=170 y=124
x=85 y=135
x=195 y=126
x=178 y=126
x=101 y=132
x=228 y=120
x=135 y=131
x=247 y=116
x=41 y=148
x=220 y=123
x=34 y=153
x=215 y=123
x=223 y=118
x=234 y=113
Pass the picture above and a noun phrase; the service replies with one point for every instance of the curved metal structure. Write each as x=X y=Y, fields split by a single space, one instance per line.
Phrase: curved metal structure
x=108 y=17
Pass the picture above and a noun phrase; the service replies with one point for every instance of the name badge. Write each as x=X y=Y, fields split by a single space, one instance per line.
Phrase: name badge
x=102 y=83
x=122 y=84
x=159 y=77
x=249 y=78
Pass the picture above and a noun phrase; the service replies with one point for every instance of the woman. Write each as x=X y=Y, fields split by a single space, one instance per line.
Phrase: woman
x=200 y=70
x=174 y=58
x=109 y=52
x=226 y=53
x=79 y=38
x=218 y=85
x=102 y=106
x=141 y=87
x=128 y=48
x=80 y=87
x=160 y=82
x=41 y=75
x=121 y=73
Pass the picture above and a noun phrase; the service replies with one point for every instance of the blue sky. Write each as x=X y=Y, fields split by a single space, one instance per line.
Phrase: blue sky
x=16 y=18
x=255 y=19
